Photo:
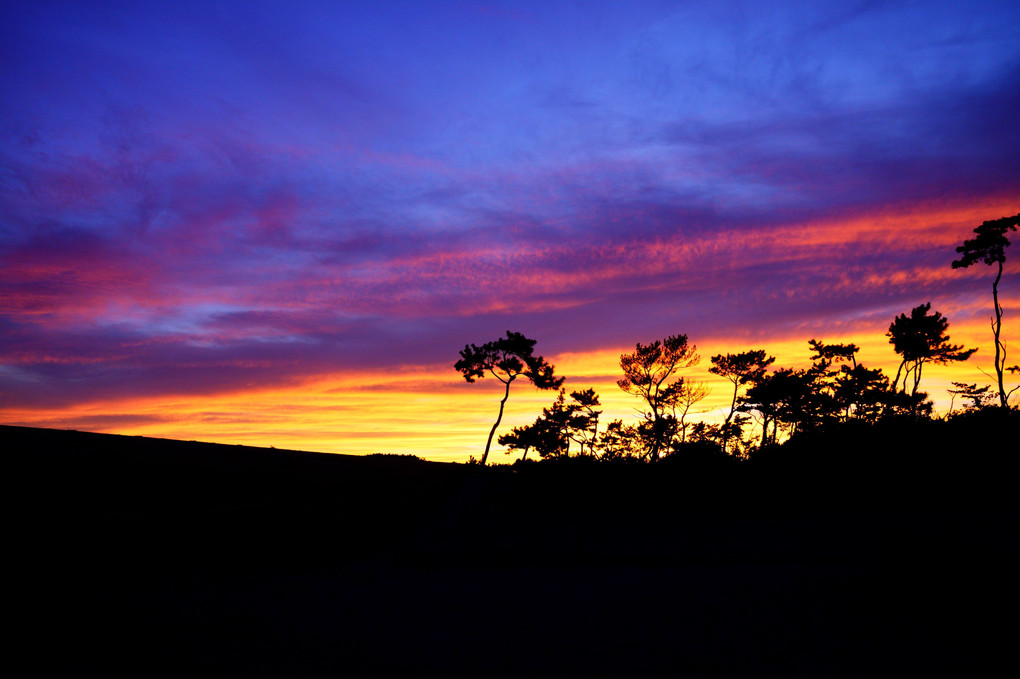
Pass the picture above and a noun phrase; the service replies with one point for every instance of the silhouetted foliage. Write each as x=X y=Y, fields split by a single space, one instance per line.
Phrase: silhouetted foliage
x=989 y=246
x=978 y=397
x=542 y=436
x=836 y=393
x=559 y=424
x=649 y=373
x=851 y=391
x=697 y=455
x=618 y=442
x=687 y=394
x=921 y=338
x=827 y=354
x=506 y=359
x=785 y=398
x=741 y=369
x=861 y=393
x=899 y=405
x=583 y=423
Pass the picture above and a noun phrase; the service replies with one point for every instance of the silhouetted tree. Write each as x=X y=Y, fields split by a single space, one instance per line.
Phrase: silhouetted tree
x=703 y=431
x=852 y=391
x=506 y=359
x=919 y=339
x=740 y=369
x=519 y=438
x=583 y=423
x=542 y=436
x=827 y=354
x=784 y=397
x=559 y=424
x=978 y=396
x=618 y=441
x=684 y=396
x=555 y=421
x=648 y=373
x=860 y=393
x=989 y=246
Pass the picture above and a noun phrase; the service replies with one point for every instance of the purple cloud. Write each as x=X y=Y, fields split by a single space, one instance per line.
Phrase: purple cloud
x=201 y=198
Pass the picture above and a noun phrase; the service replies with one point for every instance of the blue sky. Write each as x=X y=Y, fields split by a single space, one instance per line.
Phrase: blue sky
x=200 y=197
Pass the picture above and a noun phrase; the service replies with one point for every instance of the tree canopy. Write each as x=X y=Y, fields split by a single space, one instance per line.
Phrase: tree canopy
x=920 y=338
x=989 y=243
x=506 y=359
x=559 y=424
x=649 y=373
x=741 y=369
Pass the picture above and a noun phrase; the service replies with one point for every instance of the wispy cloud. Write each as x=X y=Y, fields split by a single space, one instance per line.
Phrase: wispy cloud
x=199 y=200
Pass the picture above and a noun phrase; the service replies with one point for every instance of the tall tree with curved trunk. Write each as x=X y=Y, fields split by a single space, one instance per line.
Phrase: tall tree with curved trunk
x=649 y=373
x=506 y=359
x=989 y=246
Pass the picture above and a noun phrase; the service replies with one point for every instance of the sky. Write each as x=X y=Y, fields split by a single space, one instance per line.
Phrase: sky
x=278 y=223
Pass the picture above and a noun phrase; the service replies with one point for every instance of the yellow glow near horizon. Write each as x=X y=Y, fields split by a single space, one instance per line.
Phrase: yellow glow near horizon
x=431 y=412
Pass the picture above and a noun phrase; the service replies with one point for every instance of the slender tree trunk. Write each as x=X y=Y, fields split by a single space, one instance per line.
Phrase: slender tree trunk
x=726 y=424
x=656 y=437
x=1000 y=354
x=896 y=379
x=499 y=418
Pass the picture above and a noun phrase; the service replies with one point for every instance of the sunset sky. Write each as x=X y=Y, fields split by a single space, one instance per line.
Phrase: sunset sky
x=278 y=223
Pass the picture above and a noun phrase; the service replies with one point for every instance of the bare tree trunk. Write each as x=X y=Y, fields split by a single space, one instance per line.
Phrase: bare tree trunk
x=765 y=431
x=656 y=437
x=492 y=431
x=726 y=424
x=896 y=379
x=1000 y=350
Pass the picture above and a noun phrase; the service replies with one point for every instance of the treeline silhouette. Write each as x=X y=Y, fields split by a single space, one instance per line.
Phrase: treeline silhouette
x=771 y=409
x=829 y=525
x=836 y=399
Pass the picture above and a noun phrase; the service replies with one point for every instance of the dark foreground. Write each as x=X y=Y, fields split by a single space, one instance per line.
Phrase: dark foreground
x=144 y=557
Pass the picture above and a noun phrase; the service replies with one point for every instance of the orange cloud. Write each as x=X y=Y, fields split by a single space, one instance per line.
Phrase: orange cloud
x=429 y=411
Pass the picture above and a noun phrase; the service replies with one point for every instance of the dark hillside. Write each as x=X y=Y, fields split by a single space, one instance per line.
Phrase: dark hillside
x=178 y=500
x=139 y=556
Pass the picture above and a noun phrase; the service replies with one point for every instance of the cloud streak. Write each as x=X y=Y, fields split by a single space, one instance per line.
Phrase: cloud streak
x=198 y=201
